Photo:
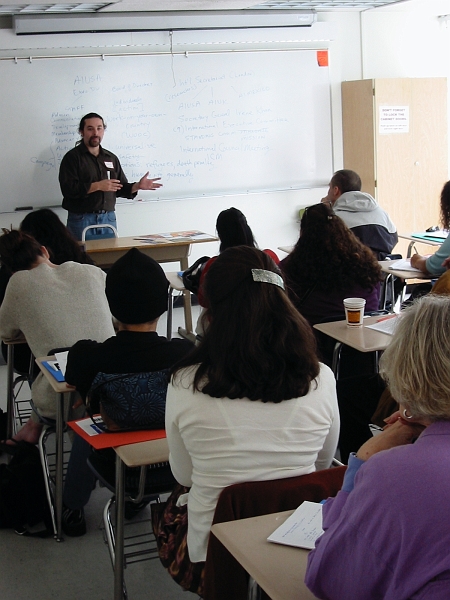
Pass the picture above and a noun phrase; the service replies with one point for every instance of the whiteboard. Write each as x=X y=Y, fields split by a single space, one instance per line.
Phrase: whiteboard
x=206 y=123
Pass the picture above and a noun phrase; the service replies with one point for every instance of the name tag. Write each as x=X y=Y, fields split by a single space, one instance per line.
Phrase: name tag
x=109 y=165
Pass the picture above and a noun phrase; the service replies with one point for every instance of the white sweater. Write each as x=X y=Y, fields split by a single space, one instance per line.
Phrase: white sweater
x=217 y=442
x=54 y=307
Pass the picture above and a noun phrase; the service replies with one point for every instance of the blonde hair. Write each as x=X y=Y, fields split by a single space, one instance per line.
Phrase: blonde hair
x=416 y=364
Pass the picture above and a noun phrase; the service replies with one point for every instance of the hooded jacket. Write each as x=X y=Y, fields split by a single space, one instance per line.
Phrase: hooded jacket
x=368 y=221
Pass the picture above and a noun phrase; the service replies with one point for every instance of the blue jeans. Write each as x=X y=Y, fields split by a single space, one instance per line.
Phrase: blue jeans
x=76 y=223
x=80 y=480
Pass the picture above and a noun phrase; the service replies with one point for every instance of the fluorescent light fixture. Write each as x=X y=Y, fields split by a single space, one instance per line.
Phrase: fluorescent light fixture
x=161 y=21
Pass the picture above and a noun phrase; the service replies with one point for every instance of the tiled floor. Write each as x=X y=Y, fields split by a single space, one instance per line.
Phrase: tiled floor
x=78 y=568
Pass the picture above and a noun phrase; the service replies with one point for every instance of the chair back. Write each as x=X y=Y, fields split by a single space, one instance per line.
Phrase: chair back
x=224 y=578
x=132 y=401
x=111 y=233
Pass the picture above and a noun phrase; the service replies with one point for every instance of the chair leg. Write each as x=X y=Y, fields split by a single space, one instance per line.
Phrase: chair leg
x=109 y=529
x=47 y=477
x=169 y=313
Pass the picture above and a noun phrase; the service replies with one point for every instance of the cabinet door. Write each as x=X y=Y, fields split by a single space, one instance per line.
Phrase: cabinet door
x=412 y=163
x=358 y=131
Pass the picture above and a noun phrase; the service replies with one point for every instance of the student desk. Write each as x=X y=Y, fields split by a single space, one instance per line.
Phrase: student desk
x=60 y=388
x=279 y=570
x=416 y=240
x=105 y=252
x=131 y=455
x=359 y=338
x=391 y=273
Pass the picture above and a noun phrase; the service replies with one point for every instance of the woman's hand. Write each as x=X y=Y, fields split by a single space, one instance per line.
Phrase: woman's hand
x=397 y=432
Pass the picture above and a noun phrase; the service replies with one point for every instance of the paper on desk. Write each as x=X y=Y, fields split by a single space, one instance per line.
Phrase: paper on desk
x=61 y=359
x=403 y=265
x=91 y=428
x=386 y=325
x=441 y=234
x=302 y=528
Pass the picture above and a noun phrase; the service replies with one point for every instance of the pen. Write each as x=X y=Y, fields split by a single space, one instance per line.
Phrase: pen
x=386 y=318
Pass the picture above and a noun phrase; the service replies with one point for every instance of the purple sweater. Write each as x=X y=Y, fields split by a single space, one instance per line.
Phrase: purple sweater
x=389 y=538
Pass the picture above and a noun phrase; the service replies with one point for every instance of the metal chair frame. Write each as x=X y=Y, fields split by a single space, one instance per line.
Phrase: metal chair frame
x=99 y=226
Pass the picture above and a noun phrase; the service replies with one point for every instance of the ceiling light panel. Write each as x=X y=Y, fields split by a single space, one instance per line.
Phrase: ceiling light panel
x=51 y=8
x=323 y=4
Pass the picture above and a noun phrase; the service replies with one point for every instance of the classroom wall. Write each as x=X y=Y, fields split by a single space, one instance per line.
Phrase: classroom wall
x=364 y=45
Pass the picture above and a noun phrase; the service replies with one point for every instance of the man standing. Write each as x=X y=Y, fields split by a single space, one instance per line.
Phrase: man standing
x=361 y=213
x=91 y=178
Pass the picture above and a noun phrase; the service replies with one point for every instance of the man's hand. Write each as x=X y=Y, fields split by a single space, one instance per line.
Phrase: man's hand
x=105 y=185
x=146 y=184
x=446 y=263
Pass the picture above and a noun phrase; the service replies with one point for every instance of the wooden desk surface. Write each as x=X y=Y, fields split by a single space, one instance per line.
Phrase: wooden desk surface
x=384 y=264
x=408 y=236
x=105 y=252
x=144 y=453
x=278 y=569
x=58 y=386
x=359 y=338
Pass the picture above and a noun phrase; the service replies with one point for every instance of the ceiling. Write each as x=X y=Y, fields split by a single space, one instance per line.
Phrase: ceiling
x=70 y=6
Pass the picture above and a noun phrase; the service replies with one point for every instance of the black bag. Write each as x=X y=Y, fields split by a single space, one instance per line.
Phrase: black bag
x=131 y=401
x=23 y=501
x=191 y=277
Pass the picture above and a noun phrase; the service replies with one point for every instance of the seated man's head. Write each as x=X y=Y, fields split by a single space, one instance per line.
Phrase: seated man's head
x=137 y=290
x=342 y=181
x=20 y=251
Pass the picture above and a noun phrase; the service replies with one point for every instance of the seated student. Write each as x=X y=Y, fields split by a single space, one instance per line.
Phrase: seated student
x=328 y=264
x=387 y=531
x=137 y=292
x=233 y=230
x=53 y=306
x=437 y=263
x=361 y=213
x=45 y=226
x=250 y=403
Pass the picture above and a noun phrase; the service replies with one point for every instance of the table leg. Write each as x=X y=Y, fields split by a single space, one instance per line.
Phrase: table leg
x=119 y=561
x=188 y=332
x=10 y=393
x=59 y=465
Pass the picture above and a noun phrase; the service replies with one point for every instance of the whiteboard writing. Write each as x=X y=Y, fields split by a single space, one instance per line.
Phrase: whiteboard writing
x=206 y=124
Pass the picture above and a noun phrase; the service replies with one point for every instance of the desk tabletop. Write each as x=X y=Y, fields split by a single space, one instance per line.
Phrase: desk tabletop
x=384 y=264
x=58 y=386
x=144 y=453
x=156 y=240
x=429 y=241
x=359 y=338
x=279 y=570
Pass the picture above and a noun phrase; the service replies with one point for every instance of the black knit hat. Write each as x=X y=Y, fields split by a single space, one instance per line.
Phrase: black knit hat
x=136 y=288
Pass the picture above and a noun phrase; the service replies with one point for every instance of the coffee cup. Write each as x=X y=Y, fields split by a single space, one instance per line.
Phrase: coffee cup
x=354 y=311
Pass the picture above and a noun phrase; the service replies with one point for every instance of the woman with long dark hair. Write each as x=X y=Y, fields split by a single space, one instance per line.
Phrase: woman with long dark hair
x=328 y=264
x=252 y=402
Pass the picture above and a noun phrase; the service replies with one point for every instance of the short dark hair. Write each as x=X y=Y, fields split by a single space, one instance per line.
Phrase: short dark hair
x=91 y=115
x=445 y=206
x=257 y=345
x=18 y=251
x=346 y=181
x=233 y=229
x=46 y=227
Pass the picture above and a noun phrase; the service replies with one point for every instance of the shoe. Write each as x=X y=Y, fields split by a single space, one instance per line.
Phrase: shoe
x=132 y=509
x=73 y=522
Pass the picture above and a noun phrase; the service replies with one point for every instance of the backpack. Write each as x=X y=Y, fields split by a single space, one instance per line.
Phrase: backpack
x=23 y=500
x=191 y=277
